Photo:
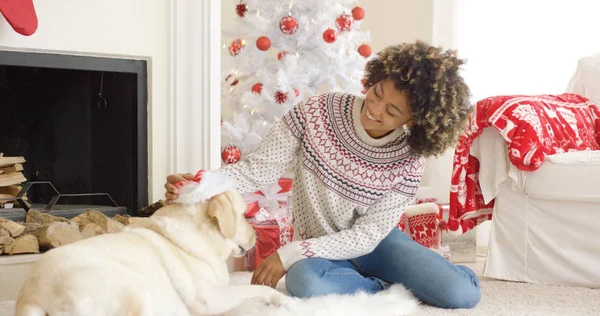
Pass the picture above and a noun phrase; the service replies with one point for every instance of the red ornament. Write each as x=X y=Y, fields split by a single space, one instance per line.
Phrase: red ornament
x=329 y=35
x=358 y=13
x=280 y=97
x=233 y=82
x=257 y=88
x=344 y=22
x=296 y=92
x=236 y=47
x=231 y=154
x=20 y=15
x=364 y=50
x=288 y=24
x=263 y=43
x=241 y=9
x=443 y=225
x=364 y=81
x=281 y=54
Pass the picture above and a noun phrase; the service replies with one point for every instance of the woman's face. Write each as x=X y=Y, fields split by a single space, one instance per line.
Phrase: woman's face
x=385 y=109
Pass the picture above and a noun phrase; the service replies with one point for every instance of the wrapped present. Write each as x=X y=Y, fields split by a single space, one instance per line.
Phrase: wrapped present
x=271 y=198
x=424 y=223
x=269 y=238
x=402 y=224
x=270 y=215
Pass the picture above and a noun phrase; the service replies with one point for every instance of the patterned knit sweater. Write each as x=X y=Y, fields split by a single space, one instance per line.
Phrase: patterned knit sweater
x=349 y=189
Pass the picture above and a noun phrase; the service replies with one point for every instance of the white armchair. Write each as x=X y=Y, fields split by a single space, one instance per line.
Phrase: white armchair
x=546 y=224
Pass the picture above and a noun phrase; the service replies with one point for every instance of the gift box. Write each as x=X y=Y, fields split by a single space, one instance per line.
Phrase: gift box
x=270 y=215
x=403 y=223
x=270 y=198
x=269 y=238
x=423 y=222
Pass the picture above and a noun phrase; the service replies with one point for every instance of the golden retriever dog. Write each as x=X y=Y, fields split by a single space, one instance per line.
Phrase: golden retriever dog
x=172 y=263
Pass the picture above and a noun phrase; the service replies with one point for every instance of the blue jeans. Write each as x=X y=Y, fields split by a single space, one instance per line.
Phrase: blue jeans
x=397 y=259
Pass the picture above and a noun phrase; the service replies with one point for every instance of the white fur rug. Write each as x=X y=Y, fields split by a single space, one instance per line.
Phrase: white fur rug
x=392 y=302
x=498 y=298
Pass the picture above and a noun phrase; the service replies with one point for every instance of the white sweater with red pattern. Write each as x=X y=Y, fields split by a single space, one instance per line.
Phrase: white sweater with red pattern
x=349 y=189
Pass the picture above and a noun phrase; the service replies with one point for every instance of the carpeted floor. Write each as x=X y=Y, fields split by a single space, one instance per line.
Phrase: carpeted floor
x=509 y=298
x=498 y=298
x=513 y=298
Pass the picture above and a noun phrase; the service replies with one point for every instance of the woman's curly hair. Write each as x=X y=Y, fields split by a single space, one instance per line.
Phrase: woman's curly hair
x=437 y=95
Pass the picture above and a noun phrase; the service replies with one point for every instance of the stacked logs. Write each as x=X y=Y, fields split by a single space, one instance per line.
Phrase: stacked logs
x=41 y=231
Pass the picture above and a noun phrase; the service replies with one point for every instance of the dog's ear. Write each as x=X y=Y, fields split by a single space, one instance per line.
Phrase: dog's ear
x=221 y=208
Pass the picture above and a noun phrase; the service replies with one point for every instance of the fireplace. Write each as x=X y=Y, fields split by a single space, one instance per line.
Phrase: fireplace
x=81 y=125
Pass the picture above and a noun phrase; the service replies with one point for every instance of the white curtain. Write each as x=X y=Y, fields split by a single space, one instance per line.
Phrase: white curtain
x=519 y=46
x=512 y=47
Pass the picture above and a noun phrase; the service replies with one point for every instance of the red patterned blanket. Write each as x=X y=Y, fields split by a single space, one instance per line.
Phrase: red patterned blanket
x=533 y=127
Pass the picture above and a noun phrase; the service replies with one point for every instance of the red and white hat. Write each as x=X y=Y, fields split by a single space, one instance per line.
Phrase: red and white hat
x=205 y=185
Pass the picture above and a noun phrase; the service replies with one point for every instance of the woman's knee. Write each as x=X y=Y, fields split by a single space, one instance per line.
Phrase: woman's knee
x=465 y=294
x=303 y=279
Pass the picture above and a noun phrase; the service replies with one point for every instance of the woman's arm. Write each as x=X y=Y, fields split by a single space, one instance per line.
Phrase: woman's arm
x=275 y=154
x=362 y=238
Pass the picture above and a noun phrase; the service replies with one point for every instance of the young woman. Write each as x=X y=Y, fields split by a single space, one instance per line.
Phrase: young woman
x=358 y=163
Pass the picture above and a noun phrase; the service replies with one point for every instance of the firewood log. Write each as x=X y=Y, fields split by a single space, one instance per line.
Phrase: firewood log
x=12 y=190
x=4 y=232
x=13 y=228
x=34 y=216
x=52 y=235
x=107 y=224
x=122 y=219
x=6 y=241
x=23 y=244
x=91 y=230
x=59 y=234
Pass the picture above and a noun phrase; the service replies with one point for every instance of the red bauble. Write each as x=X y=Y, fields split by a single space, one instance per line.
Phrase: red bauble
x=263 y=43
x=280 y=97
x=288 y=25
x=233 y=80
x=344 y=22
x=364 y=50
x=236 y=47
x=296 y=92
x=241 y=9
x=329 y=36
x=281 y=54
x=358 y=13
x=364 y=81
x=231 y=154
x=257 y=88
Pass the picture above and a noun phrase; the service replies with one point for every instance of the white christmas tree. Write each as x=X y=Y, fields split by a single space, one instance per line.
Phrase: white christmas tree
x=280 y=52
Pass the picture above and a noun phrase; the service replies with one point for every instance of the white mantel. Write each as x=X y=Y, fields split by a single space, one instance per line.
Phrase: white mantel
x=181 y=42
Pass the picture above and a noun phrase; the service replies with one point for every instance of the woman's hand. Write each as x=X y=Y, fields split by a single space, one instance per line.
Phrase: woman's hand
x=269 y=272
x=172 y=191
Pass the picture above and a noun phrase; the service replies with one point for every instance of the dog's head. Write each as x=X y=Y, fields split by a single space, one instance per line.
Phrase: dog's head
x=214 y=193
x=227 y=211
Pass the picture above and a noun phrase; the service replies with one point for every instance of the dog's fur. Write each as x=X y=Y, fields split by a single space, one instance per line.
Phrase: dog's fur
x=172 y=263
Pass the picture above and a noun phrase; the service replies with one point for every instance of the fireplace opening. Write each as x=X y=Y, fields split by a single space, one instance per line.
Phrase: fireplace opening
x=81 y=125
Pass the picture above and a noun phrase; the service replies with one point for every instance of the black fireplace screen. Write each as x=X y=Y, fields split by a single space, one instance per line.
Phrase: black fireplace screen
x=80 y=123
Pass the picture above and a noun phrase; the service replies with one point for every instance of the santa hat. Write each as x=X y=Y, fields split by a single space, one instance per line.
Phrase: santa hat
x=205 y=185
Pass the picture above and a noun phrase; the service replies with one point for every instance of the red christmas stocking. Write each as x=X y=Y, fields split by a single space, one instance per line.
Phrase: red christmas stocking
x=423 y=224
x=21 y=15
